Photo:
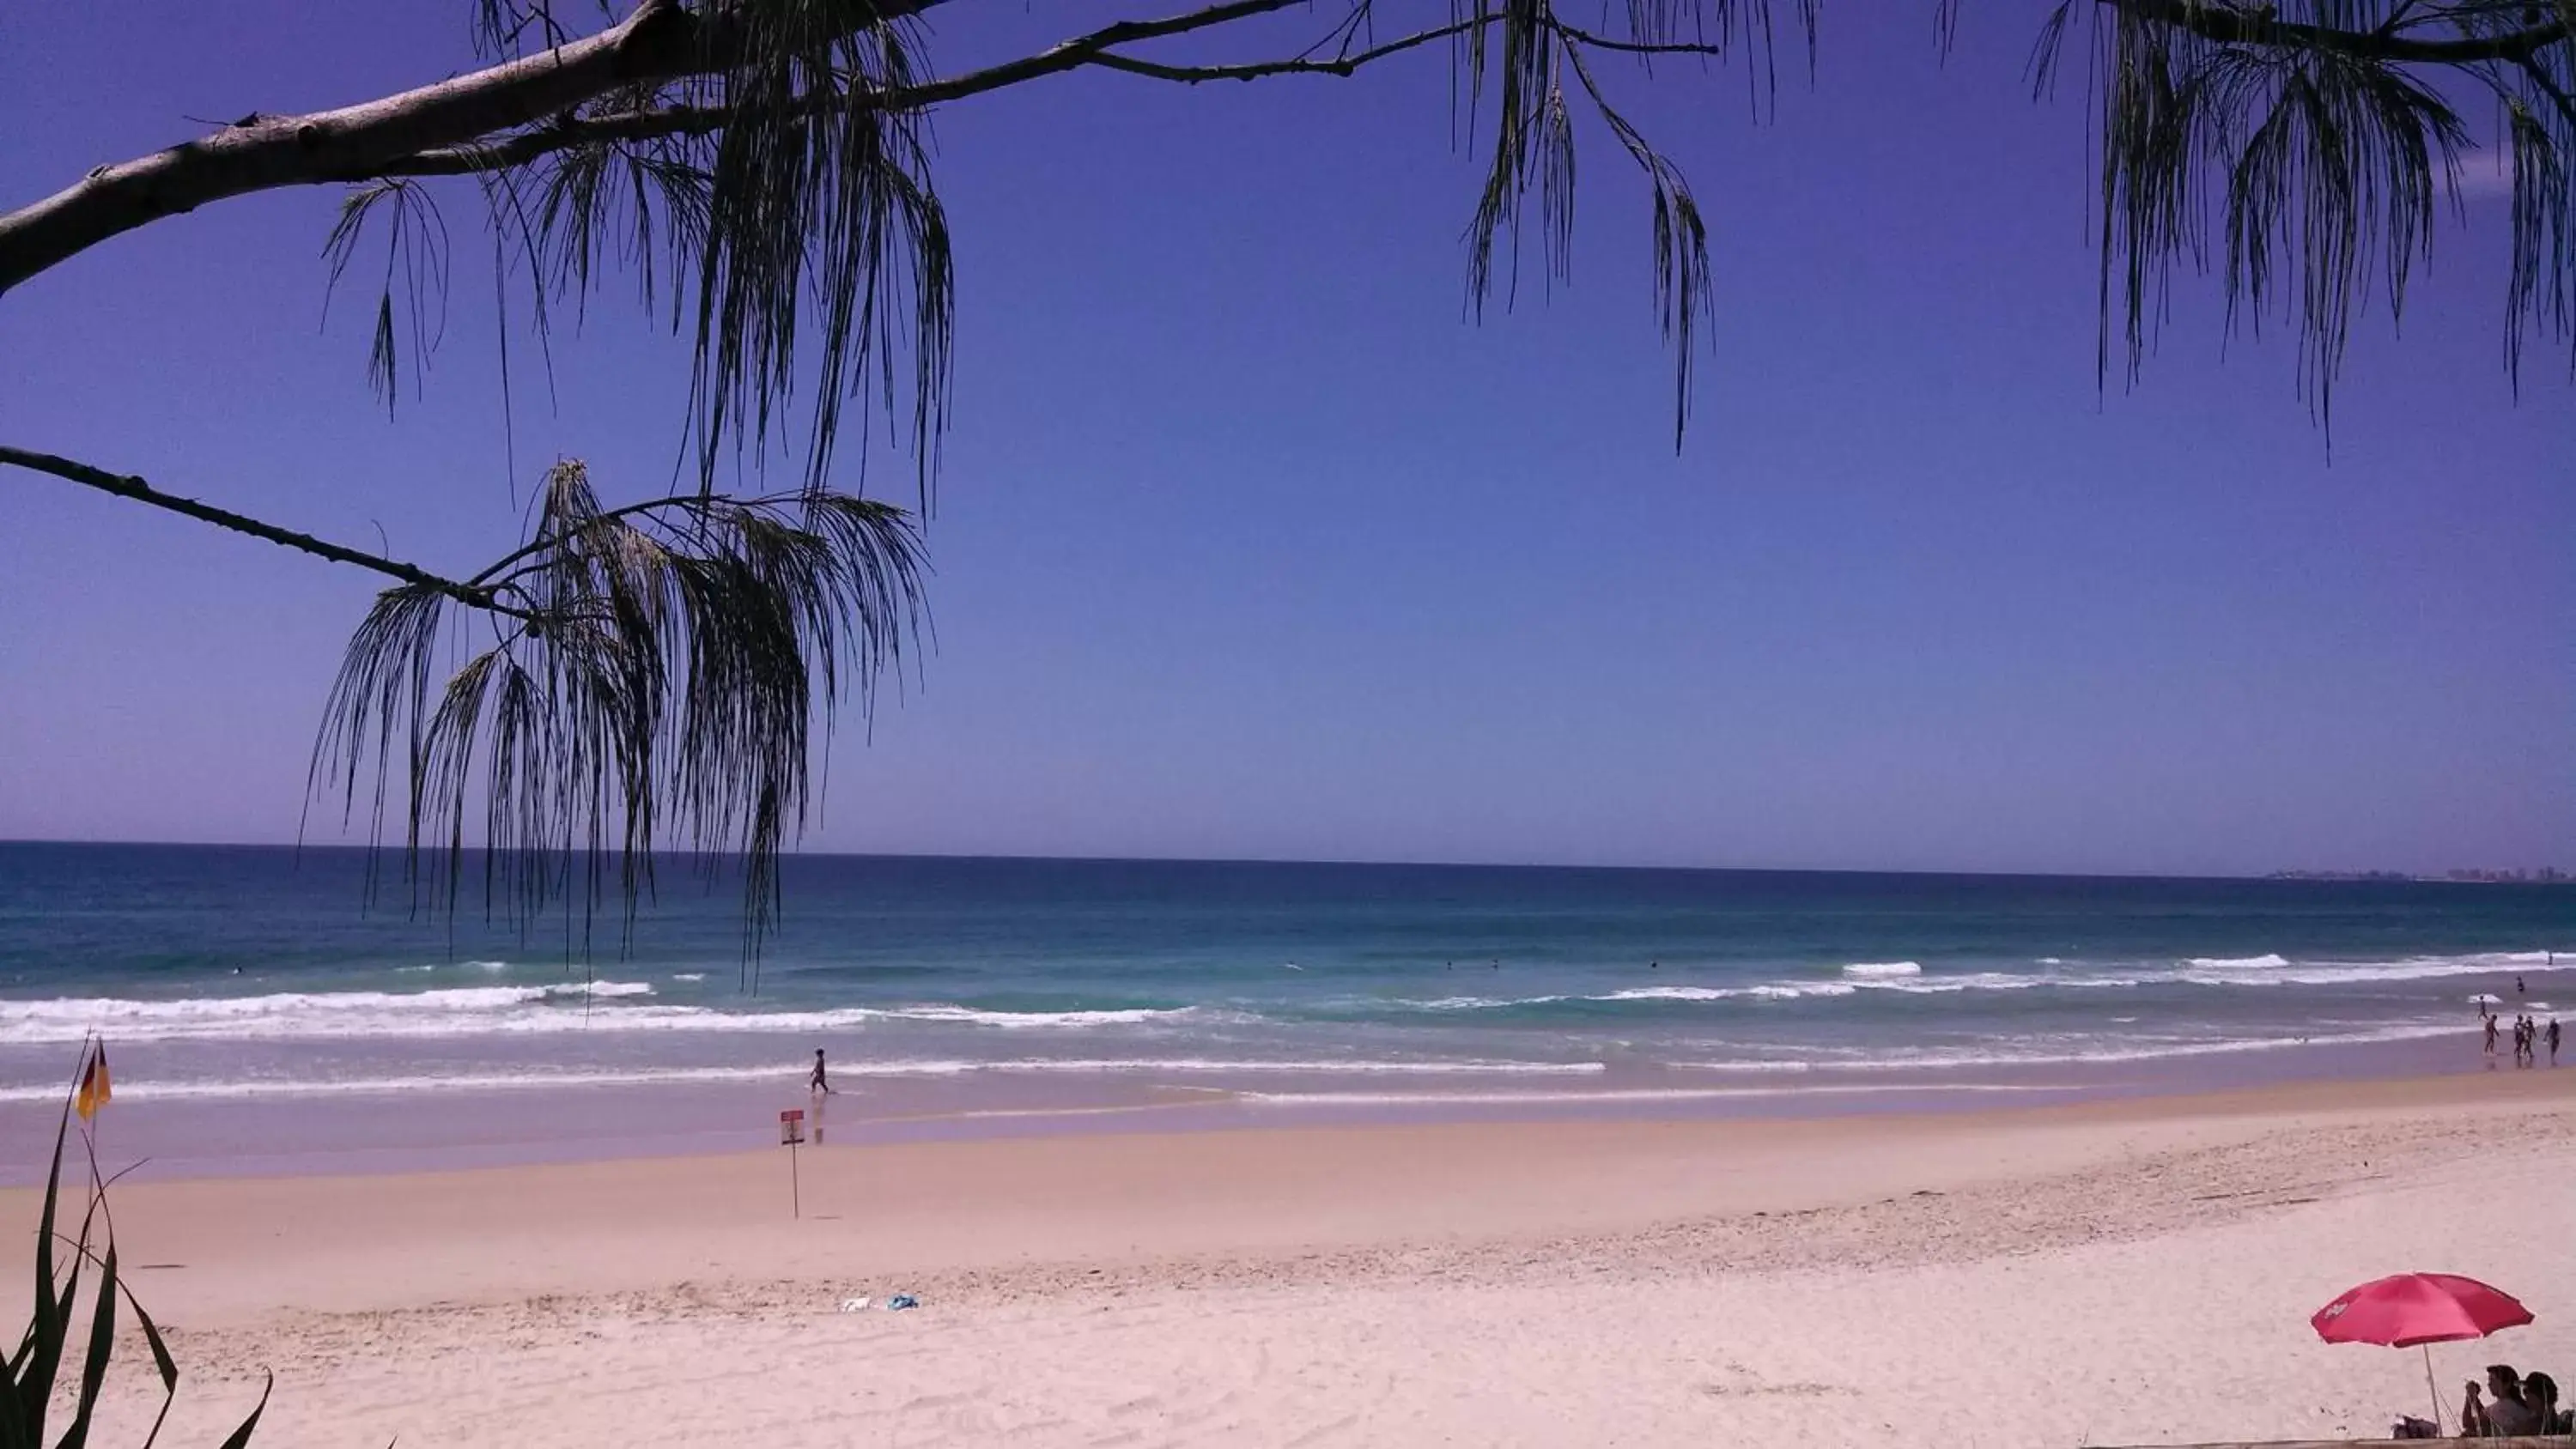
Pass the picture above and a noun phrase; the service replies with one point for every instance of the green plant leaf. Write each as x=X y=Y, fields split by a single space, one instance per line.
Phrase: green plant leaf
x=36 y=1388
x=241 y=1436
x=13 y=1414
x=33 y=1367
x=102 y=1344
x=167 y=1366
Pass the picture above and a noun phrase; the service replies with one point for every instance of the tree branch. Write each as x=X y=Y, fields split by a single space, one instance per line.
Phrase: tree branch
x=1349 y=64
x=498 y=574
x=2232 y=26
x=659 y=41
x=437 y=130
x=566 y=131
x=2557 y=94
x=127 y=486
x=1586 y=38
x=662 y=122
x=1256 y=70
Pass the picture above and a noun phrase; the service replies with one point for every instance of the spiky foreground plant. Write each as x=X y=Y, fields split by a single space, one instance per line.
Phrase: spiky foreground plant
x=28 y=1388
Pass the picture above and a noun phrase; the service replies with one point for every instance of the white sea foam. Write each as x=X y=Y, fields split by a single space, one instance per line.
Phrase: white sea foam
x=2063 y=1052
x=1883 y=970
x=295 y=1013
x=1022 y=1020
x=1609 y=1095
x=688 y=976
x=2359 y=973
x=1678 y=993
x=2245 y=972
x=495 y=1010
x=508 y=1010
x=146 y=1089
x=1322 y=1067
x=1797 y=990
x=2270 y=969
x=1474 y=1003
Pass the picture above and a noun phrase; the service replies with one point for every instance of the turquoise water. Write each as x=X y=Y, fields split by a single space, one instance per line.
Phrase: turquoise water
x=245 y=973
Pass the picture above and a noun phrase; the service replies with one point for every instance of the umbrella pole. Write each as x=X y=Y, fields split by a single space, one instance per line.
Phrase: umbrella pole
x=2430 y=1389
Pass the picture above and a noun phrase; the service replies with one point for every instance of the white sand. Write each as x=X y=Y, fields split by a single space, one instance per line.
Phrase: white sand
x=2121 y=1274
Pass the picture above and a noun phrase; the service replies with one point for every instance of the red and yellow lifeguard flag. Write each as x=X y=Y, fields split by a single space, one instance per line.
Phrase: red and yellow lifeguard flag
x=94 y=1090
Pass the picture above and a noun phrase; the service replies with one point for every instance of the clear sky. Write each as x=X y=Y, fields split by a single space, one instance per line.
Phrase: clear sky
x=1249 y=544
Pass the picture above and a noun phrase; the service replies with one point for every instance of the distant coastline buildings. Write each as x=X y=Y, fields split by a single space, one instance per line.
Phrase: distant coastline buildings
x=2546 y=875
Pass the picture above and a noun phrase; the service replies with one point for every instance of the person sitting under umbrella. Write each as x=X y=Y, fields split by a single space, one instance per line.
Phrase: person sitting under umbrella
x=2422 y=1309
x=2540 y=1395
x=2507 y=1416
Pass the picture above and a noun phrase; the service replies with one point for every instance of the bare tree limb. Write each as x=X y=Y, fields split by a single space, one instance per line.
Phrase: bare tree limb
x=439 y=130
x=659 y=41
x=2231 y=25
x=2558 y=95
x=1348 y=65
x=1592 y=41
x=127 y=486
x=566 y=131
x=1343 y=66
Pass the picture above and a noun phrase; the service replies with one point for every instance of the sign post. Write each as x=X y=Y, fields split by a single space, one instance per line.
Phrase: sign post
x=791 y=1130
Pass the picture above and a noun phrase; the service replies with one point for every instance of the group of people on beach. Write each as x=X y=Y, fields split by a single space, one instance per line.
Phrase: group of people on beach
x=2529 y=1032
x=2529 y=1035
x=2515 y=1405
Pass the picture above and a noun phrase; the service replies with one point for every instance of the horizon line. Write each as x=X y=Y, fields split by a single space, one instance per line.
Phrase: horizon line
x=2285 y=874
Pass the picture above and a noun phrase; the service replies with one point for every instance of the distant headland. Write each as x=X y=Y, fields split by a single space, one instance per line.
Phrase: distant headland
x=2546 y=875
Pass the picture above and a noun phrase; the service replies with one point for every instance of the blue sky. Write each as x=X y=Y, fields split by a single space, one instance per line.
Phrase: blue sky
x=1251 y=544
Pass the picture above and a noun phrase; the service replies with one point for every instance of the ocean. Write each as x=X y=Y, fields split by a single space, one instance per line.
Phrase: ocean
x=984 y=990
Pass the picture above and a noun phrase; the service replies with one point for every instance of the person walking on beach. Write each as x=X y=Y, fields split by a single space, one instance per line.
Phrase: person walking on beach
x=818 y=1081
x=2491 y=1033
x=2553 y=1041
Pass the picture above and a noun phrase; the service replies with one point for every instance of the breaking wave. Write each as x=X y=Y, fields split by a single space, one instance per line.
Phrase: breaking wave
x=1884 y=970
x=547 y=1079
x=492 y=1010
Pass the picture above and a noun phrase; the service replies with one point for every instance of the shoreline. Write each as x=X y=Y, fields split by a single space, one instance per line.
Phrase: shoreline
x=1527 y=1174
x=331 y=1131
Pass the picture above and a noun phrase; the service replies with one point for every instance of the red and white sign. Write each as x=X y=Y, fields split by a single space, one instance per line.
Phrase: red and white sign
x=791 y=1127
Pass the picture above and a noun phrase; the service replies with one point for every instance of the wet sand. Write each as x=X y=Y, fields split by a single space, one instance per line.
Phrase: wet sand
x=331 y=1132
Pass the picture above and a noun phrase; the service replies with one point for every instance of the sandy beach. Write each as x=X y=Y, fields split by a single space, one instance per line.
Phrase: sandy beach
x=2125 y=1272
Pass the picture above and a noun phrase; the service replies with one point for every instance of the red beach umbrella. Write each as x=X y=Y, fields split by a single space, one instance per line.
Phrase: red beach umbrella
x=2419 y=1308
